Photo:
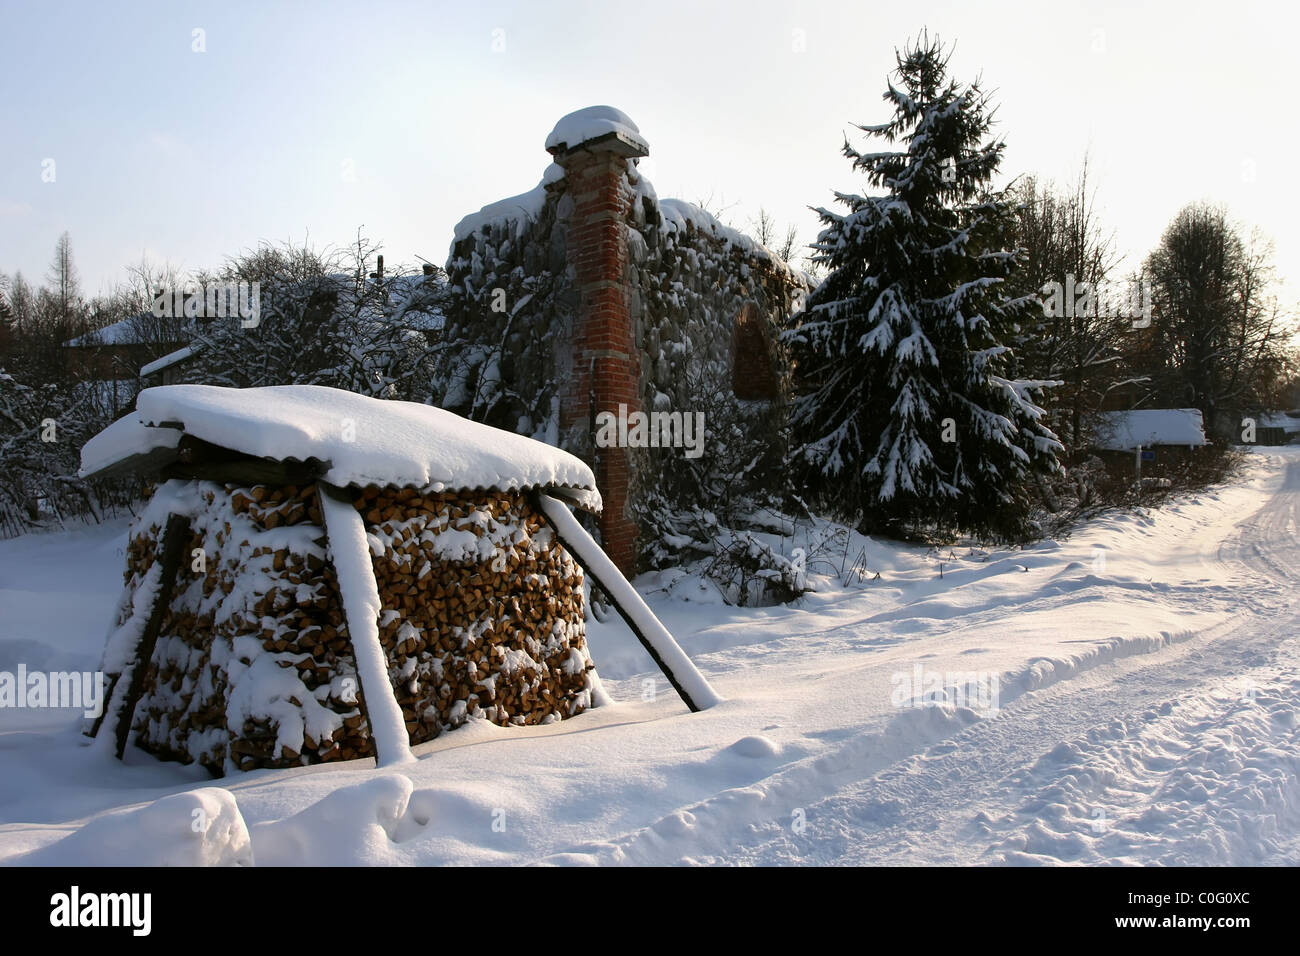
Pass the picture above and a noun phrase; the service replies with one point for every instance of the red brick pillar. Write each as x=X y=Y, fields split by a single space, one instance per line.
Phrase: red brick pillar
x=606 y=363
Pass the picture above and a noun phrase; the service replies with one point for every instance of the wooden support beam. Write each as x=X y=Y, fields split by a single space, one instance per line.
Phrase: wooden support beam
x=359 y=595
x=204 y=461
x=689 y=683
x=174 y=538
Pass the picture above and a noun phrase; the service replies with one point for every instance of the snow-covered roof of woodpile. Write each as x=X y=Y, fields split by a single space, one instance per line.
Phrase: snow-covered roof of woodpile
x=359 y=440
x=1125 y=431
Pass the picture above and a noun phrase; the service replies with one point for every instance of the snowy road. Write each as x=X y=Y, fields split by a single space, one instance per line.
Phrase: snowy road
x=1188 y=754
x=1148 y=687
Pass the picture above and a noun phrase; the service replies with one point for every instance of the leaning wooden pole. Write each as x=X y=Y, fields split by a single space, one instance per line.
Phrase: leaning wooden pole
x=689 y=683
x=359 y=594
x=174 y=538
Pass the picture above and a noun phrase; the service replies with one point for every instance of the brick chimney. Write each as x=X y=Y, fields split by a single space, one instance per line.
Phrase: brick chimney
x=593 y=146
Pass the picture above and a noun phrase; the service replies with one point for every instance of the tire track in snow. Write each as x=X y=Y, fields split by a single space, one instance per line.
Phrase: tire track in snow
x=1084 y=764
x=1206 y=776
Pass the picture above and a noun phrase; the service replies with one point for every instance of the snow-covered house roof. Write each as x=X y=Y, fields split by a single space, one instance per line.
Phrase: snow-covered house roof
x=128 y=331
x=1147 y=427
x=354 y=438
x=1289 y=422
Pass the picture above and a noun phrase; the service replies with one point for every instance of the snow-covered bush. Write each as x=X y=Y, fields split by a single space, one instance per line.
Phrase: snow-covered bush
x=325 y=321
x=42 y=429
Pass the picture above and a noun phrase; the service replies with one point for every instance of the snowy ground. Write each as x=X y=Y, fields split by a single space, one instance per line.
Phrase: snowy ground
x=1147 y=713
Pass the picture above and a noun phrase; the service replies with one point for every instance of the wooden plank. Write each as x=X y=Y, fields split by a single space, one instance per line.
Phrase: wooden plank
x=649 y=630
x=175 y=536
x=254 y=471
x=193 y=458
x=198 y=459
x=144 y=463
x=348 y=546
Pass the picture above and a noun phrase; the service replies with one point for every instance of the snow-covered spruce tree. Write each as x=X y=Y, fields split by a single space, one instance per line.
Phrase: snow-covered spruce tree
x=906 y=420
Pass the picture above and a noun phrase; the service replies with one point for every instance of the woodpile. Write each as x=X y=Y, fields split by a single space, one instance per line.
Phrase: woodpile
x=253 y=667
x=493 y=628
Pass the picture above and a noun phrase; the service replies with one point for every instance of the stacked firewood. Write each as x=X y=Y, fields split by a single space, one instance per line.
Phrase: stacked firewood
x=483 y=616
x=252 y=585
x=490 y=626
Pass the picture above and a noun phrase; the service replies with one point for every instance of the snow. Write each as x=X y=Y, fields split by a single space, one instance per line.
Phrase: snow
x=1125 y=431
x=200 y=827
x=553 y=174
x=125 y=437
x=520 y=209
x=1148 y=669
x=361 y=605
x=591 y=123
x=122 y=332
x=365 y=440
x=167 y=361
x=366 y=819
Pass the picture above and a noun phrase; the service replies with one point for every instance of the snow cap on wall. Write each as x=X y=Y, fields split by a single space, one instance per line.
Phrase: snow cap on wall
x=521 y=209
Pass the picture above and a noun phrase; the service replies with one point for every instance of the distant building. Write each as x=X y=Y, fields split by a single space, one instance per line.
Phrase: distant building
x=118 y=351
x=1278 y=428
x=1156 y=437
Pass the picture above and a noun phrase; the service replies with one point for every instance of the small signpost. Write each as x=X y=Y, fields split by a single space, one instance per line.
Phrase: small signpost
x=1143 y=454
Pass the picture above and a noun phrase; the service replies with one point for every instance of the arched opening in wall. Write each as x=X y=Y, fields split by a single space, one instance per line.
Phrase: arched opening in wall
x=753 y=376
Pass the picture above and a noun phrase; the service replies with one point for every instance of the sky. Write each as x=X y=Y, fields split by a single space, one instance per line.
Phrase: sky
x=189 y=132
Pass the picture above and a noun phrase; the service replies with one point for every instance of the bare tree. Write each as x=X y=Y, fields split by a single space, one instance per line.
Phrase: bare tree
x=62 y=282
x=22 y=302
x=716 y=207
x=1220 y=336
x=768 y=234
x=325 y=319
x=145 y=282
x=1062 y=239
x=7 y=319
